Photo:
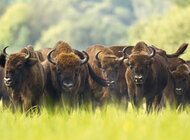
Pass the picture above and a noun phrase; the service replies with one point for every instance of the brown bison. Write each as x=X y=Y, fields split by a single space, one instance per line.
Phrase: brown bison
x=146 y=74
x=24 y=77
x=3 y=90
x=177 y=69
x=107 y=62
x=67 y=75
x=181 y=83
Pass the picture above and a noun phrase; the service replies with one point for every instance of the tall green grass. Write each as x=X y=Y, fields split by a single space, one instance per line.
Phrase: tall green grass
x=109 y=123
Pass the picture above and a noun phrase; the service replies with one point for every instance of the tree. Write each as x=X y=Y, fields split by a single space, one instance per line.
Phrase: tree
x=11 y=23
x=166 y=31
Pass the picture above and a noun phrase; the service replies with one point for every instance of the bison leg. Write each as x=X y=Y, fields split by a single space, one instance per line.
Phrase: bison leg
x=158 y=99
x=149 y=104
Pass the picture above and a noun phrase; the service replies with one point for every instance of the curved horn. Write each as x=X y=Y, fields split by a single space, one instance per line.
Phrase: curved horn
x=124 y=54
x=4 y=51
x=153 y=52
x=29 y=53
x=85 y=60
x=97 y=58
x=49 y=57
x=124 y=51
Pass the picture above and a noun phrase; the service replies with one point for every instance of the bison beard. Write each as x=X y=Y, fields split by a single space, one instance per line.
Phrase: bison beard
x=177 y=91
x=68 y=72
x=146 y=75
x=107 y=62
x=24 y=78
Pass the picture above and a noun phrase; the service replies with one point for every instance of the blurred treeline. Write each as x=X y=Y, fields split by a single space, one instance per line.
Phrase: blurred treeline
x=168 y=30
x=80 y=22
x=163 y=23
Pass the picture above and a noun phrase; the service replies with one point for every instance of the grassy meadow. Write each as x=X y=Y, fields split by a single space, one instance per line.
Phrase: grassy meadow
x=109 y=123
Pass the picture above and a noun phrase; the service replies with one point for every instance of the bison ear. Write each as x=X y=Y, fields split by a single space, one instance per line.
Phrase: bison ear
x=32 y=61
x=2 y=60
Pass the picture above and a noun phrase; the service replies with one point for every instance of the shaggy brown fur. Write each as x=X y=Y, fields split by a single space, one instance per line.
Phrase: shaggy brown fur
x=3 y=90
x=140 y=48
x=68 y=78
x=183 y=69
x=26 y=78
x=109 y=68
x=62 y=46
x=181 y=79
x=188 y=63
x=152 y=72
x=68 y=59
x=42 y=53
x=173 y=64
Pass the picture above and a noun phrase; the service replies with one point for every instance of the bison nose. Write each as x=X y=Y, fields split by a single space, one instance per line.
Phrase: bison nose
x=138 y=79
x=111 y=84
x=179 y=91
x=68 y=85
x=7 y=81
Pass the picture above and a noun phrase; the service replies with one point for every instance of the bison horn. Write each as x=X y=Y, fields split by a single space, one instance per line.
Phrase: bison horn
x=124 y=51
x=97 y=58
x=153 y=52
x=4 y=51
x=124 y=54
x=28 y=53
x=85 y=60
x=49 y=57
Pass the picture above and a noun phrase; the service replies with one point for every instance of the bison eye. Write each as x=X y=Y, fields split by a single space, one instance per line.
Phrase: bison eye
x=131 y=66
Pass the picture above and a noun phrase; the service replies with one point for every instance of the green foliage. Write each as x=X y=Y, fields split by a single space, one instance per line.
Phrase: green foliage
x=143 y=9
x=166 y=31
x=182 y=2
x=85 y=33
x=79 y=22
x=11 y=24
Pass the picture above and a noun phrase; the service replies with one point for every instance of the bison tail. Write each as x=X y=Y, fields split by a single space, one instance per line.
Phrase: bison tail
x=179 y=52
x=98 y=79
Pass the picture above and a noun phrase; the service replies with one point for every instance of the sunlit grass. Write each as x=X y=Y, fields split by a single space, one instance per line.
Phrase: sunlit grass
x=111 y=122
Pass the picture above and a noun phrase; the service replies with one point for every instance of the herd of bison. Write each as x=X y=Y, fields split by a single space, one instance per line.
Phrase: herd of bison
x=99 y=75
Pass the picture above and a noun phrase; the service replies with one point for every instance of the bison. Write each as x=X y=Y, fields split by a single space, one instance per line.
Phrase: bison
x=24 y=77
x=67 y=75
x=181 y=84
x=107 y=62
x=146 y=74
x=3 y=90
x=178 y=68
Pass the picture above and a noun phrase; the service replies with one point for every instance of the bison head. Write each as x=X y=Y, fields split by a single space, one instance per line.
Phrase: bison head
x=181 y=79
x=110 y=64
x=139 y=65
x=17 y=67
x=68 y=68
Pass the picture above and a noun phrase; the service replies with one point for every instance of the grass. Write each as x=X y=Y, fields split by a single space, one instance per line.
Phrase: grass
x=110 y=123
